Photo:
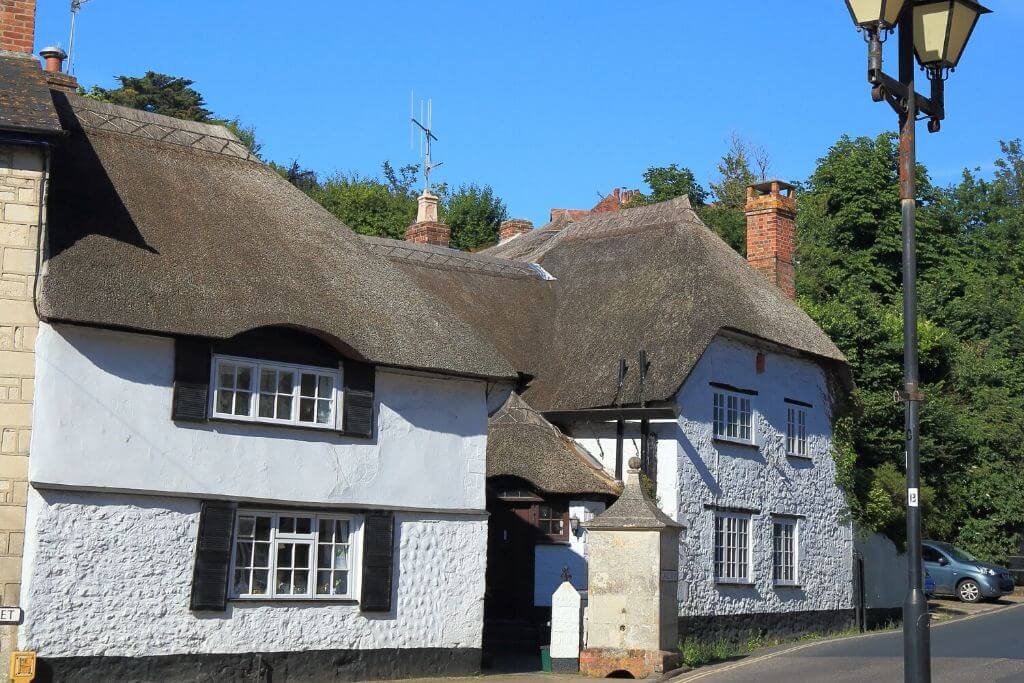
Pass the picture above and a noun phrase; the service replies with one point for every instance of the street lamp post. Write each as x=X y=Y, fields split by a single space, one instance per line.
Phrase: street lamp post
x=936 y=31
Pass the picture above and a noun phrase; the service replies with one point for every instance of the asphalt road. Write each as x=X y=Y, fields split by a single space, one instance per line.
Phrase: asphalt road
x=983 y=648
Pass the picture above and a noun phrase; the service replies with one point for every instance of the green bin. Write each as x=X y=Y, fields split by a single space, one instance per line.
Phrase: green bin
x=545 y=659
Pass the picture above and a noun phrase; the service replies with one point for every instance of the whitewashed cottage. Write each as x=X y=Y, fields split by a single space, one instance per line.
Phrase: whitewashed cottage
x=240 y=441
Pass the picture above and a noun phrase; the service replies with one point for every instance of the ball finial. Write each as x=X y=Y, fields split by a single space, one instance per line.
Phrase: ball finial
x=634 y=463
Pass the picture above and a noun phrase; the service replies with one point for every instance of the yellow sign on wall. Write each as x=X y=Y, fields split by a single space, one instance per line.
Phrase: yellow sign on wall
x=23 y=666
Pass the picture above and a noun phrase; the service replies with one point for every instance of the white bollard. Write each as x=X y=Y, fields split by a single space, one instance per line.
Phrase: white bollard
x=566 y=625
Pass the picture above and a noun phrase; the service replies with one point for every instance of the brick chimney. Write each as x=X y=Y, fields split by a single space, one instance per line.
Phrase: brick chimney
x=428 y=229
x=617 y=199
x=771 y=233
x=17 y=26
x=513 y=228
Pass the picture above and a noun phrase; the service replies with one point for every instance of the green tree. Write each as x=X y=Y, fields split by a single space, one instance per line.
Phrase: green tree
x=669 y=182
x=171 y=96
x=371 y=206
x=474 y=214
x=157 y=93
x=972 y=342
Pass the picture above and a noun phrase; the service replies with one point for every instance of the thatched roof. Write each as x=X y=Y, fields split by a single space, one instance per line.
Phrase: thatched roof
x=653 y=278
x=25 y=102
x=521 y=443
x=168 y=226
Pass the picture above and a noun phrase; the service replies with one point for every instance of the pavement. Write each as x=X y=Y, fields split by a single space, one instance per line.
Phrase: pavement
x=985 y=645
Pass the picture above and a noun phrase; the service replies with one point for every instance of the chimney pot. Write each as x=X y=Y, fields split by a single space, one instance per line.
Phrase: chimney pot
x=428 y=229
x=513 y=228
x=771 y=233
x=54 y=57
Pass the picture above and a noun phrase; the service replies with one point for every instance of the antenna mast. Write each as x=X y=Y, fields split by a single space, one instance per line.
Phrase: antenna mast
x=76 y=6
x=426 y=138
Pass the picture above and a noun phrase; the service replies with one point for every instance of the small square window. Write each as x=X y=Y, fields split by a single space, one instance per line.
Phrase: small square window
x=553 y=521
x=732 y=417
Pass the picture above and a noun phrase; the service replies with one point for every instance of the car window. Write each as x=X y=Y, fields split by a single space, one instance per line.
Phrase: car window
x=930 y=554
x=960 y=555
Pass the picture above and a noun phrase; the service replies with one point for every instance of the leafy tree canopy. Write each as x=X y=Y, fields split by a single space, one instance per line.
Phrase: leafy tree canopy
x=972 y=338
x=171 y=96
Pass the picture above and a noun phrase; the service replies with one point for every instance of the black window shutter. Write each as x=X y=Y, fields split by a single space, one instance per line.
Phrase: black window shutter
x=213 y=556
x=357 y=402
x=378 y=562
x=191 y=379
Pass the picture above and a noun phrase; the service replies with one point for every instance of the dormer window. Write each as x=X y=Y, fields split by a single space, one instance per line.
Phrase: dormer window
x=276 y=393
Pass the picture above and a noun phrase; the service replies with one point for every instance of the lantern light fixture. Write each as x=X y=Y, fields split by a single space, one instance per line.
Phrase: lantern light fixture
x=941 y=31
x=875 y=15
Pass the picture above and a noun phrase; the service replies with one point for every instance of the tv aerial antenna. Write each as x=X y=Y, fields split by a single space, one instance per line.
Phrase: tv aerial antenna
x=425 y=124
x=76 y=7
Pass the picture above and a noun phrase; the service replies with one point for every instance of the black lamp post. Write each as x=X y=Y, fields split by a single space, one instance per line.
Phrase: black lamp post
x=936 y=31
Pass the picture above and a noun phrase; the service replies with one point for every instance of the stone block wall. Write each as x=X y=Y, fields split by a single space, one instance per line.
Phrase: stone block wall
x=21 y=176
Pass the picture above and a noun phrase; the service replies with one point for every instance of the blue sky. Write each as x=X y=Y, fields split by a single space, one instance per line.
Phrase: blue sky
x=553 y=102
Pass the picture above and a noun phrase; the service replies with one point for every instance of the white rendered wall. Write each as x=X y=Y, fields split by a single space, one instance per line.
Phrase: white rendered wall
x=103 y=411
x=550 y=559
x=110 y=574
x=711 y=472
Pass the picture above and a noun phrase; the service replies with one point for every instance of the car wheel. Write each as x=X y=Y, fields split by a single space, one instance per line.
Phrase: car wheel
x=968 y=590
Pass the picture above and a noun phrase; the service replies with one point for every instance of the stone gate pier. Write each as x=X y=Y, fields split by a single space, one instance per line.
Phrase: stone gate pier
x=632 y=618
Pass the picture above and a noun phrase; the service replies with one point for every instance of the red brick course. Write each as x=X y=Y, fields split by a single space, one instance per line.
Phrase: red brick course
x=601 y=662
x=428 y=232
x=17 y=25
x=513 y=227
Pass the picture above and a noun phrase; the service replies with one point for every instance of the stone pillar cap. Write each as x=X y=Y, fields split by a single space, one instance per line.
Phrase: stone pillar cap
x=633 y=511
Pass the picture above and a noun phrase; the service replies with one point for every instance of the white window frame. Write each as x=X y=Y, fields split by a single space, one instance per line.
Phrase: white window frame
x=796 y=431
x=724 y=404
x=311 y=539
x=733 y=556
x=256 y=368
x=794 y=525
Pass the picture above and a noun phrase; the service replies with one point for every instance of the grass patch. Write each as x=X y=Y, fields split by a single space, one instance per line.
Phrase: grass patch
x=697 y=653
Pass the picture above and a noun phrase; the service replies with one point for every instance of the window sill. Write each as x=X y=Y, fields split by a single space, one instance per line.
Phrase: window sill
x=734 y=582
x=783 y=584
x=794 y=456
x=302 y=599
x=736 y=442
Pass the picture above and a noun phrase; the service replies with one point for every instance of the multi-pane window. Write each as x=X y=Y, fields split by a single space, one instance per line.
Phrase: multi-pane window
x=796 y=431
x=732 y=547
x=552 y=520
x=234 y=389
x=334 y=548
x=732 y=417
x=784 y=548
x=273 y=392
x=293 y=555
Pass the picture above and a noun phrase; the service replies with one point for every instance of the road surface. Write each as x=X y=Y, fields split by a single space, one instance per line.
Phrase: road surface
x=980 y=649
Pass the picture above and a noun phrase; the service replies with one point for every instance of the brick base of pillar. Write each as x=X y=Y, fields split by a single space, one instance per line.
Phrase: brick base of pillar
x=602 y=662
